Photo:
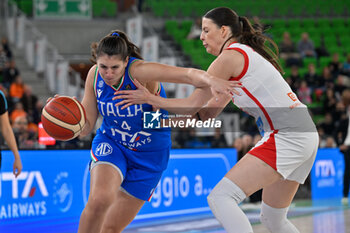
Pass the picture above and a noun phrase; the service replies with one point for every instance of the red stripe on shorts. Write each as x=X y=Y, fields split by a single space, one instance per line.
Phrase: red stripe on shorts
x=267 y=151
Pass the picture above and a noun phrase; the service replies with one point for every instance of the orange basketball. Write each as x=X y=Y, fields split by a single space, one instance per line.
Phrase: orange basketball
x=63 y=118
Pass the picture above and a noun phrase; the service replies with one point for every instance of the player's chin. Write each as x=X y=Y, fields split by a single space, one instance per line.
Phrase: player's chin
x=110 y=82
x=210 y=51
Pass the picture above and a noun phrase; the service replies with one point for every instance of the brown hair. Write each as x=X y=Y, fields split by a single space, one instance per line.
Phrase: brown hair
x=245 y=33
x=115 y=43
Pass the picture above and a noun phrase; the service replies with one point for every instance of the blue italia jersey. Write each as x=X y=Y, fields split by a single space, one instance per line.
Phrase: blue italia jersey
x=126 y=126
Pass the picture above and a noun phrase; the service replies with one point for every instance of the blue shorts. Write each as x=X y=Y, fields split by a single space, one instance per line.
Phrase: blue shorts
x=140 y=170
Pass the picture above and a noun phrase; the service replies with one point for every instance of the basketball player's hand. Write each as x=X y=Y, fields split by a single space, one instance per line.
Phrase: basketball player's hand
x=224 y=87
x=17 y=167
x=50 y=98
x=131 y=97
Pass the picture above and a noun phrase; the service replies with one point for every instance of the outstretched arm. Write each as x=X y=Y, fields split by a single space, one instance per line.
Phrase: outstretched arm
x=9 y=137
x=189 y=105
x=146 y=72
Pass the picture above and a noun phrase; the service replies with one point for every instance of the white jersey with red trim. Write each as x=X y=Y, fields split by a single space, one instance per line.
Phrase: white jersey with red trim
x=266 y=95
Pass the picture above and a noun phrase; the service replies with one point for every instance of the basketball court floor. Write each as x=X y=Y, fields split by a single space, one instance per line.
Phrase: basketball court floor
x=324 y=217
x=309 y=217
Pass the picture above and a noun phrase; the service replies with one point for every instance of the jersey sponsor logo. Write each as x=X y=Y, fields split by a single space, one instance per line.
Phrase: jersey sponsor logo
x=29 y=190
x=28 y=194
x=292 y=96
x=100 y=84
x=128 y=87
x=99 y=92
x=104 y=149
x=151 y=120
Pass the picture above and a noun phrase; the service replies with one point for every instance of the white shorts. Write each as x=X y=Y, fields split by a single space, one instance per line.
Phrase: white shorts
x=290 y=154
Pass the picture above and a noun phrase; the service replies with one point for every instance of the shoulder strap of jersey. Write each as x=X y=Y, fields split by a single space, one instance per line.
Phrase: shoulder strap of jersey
x=95 y=81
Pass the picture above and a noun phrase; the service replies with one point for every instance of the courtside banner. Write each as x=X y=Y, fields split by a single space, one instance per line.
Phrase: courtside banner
x=47 y=196
x=327 y=174
x=53 y=188
x=186 y=183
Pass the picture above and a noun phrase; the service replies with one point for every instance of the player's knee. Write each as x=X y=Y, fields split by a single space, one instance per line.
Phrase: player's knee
x=225 y=190
x=99 y=203
x=275 y=219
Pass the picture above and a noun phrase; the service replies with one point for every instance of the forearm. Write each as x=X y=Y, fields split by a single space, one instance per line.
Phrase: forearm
x=146 y=72
x=188 y=106
x=11 y=141
x=206 y=113
x=214 y=107
x=199 y=78
x=88 y=127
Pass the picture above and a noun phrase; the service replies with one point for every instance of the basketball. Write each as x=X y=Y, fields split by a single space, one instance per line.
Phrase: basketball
x=63 y=118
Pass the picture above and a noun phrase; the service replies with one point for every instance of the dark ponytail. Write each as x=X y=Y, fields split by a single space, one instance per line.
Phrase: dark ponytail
x=115 y=43
x=260 y=43
x=245 y=33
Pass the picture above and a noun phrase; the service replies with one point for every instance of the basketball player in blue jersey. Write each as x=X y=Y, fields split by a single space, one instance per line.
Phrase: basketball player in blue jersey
x=127 y=160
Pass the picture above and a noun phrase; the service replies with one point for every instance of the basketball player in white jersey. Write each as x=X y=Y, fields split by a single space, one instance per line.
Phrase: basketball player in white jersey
x=284 y=157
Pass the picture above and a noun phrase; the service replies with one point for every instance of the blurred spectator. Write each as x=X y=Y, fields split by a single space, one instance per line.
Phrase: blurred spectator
x=288 y=51
x=218 y=140
x=25 y=139
x=335 y=65
x=346 y=66
x=327 y=78
x=37 y=112
x=339 y=86
x=18 y=111
x=29 y=101
x=295 y=77
x=10 y=73
x=196 y=30
x=3 y=59
x=312 y=79
x=328 y=124
x=6 y=47
x=327 y=142
x=304 y=93
x=340 y=112
x=17 y=89
x=329 y=101
x=306 y=47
